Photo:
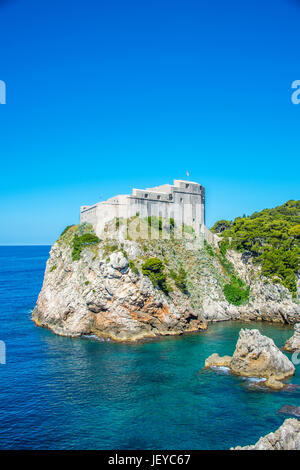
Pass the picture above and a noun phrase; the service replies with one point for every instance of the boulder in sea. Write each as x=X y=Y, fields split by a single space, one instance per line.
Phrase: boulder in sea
x=287 y=437
x=216 y=361
x=293 y=344
x=256 y=355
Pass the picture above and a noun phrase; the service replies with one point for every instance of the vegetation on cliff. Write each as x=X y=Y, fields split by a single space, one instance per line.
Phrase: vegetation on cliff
x=80 y=242
x=172 y=264
x=236 y=292
x=271 y=237
x=154 y=269
x=78 y=237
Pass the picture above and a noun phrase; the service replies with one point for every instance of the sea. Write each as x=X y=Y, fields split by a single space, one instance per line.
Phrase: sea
x=84 y=393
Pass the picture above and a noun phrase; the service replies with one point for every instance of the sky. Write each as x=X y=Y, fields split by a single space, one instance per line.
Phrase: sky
x=104 y=96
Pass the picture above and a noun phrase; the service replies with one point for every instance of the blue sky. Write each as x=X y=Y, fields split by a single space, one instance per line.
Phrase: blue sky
x=103 y=96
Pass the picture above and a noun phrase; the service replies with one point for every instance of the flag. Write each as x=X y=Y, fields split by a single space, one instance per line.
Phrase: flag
x=187 y=173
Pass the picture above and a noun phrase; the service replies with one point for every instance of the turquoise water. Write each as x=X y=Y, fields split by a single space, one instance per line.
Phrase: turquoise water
x=63 y=393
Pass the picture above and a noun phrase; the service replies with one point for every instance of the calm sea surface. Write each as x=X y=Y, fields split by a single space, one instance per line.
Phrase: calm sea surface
x=63 y=393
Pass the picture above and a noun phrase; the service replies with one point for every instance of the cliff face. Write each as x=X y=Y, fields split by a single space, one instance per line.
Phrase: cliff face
x=287 y=437
x=104 y=292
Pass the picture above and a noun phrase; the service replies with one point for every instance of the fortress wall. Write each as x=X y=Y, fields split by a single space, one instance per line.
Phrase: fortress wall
x=185 y=202
x=89 y=214
x=164 y=188
x=210 y=237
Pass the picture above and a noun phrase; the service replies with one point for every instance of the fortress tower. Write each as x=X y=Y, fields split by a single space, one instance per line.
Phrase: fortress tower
x=184 y=201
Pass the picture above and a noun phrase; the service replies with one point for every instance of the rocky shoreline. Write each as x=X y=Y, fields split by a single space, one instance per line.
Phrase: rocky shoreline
x=287 y=437
x=105 y=293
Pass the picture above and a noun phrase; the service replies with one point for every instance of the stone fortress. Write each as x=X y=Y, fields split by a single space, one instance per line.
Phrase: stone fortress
x=184 y=201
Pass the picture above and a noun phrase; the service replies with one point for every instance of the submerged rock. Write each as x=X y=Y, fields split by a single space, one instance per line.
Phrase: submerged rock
x=293 y=344
x=290 y=410
x=287 y=437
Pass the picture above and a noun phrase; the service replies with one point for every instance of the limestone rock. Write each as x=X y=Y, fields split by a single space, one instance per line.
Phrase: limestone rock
x=275 y=384
x=96 y=296
x=293 y=344
x=287 y=437
x=257 y=356
x=99 y=293
x=118 y=261
x=217 y=361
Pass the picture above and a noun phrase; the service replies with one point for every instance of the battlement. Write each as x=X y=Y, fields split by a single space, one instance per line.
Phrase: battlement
x=184 y=201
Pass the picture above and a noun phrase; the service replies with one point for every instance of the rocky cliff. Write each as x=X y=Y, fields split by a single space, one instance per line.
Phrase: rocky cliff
x=287 y=437
x=101 y=287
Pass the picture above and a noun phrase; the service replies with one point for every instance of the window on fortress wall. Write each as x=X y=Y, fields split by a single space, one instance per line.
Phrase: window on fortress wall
x=181 y=200
x=158 y=197
x=146 y=195
x=187 y=185
x=170 y=197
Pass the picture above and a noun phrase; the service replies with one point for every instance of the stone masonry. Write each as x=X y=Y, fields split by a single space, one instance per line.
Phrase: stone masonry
x=184 y=201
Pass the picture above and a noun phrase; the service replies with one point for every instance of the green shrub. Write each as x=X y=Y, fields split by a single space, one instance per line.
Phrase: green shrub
x=53 y=268
x=209 y=249
x=227 y=265
x=172 y=223
x=180 y=279
x=237 y=292
x=108 y=249
x=223 y=245
x=133 y=267
x=154 y=269
x=220 y=226
x=80 y=242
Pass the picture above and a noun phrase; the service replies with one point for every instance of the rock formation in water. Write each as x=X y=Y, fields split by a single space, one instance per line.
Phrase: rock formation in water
x=217 y=361
x=293 y=344
x=105 y=286
x=256 y=355
x=287 y=437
